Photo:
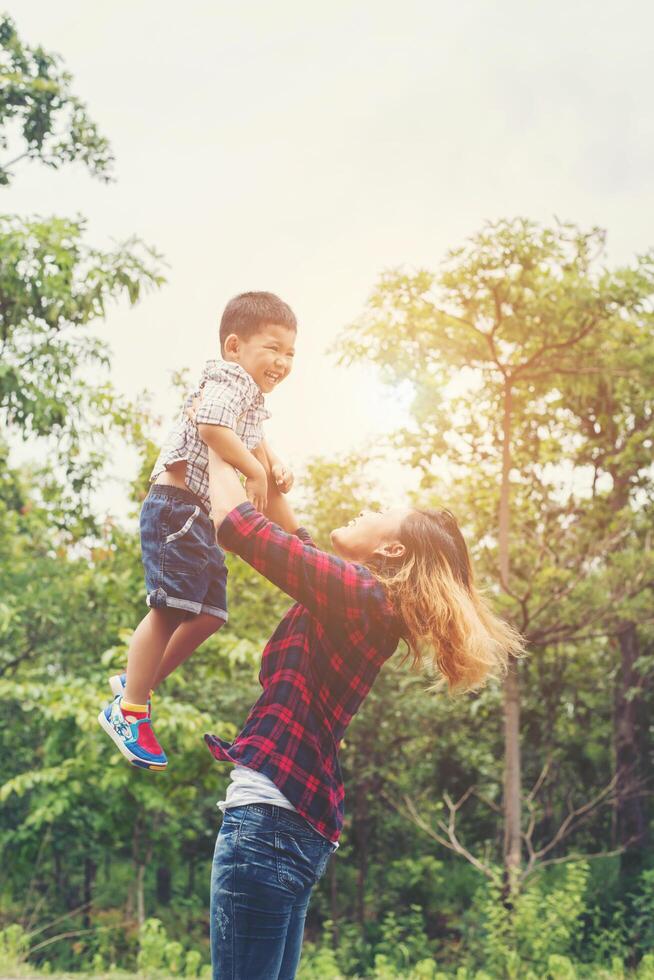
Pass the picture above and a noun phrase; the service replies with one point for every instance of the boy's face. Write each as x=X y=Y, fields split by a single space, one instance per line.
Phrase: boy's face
x=267 y=356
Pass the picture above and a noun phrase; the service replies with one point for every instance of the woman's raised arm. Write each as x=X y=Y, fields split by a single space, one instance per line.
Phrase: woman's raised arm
x=226 y=492
x=332 y=589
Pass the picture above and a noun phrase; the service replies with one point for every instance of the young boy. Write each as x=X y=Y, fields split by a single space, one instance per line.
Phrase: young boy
x=185 y=573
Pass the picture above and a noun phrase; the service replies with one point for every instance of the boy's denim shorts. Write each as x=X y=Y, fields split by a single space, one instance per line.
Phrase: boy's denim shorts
x=184 y=567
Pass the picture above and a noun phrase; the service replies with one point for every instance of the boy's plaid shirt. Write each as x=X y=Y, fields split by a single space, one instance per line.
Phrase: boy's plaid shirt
x=316 y=669
x=229 y=396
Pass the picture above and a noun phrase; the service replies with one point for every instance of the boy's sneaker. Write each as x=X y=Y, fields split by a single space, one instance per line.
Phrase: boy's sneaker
x=135 y=739
x=117 y=684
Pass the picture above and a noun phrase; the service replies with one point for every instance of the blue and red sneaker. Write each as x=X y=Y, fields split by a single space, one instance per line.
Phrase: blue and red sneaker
x=118 y=683
x=133 y=736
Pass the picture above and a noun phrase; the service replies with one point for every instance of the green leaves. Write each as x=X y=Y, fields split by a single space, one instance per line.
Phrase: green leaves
x=47 y=121
x=52 y=285
x=532 y=308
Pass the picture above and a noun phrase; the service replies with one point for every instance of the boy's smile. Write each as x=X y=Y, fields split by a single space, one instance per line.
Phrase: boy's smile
x=267 y=355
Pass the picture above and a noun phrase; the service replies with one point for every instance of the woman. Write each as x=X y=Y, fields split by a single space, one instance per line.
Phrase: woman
x=403 y=574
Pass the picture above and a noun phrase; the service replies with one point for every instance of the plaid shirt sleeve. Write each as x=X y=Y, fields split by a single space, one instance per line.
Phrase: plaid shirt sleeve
x=225 y=400
x=330 y=588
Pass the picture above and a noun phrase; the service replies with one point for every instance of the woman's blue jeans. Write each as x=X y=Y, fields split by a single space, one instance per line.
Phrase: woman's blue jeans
x=265 y=865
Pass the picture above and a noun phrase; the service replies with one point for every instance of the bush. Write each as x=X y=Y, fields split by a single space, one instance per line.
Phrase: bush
x=560 y=968
x=542 y=924
x=318 y=963
x=160 y=956
x=13 y=947
x=646 y=968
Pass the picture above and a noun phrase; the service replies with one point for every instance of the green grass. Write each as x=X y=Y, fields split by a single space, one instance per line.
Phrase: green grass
x=30 y=975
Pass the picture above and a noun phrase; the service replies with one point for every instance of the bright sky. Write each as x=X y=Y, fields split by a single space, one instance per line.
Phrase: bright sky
x=303 y=148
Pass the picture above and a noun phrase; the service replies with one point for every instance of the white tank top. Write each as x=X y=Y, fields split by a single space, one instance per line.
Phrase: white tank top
x=250 y=786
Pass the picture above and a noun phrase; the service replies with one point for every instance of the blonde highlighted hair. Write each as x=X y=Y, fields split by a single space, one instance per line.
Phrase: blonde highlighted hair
x=449 y=627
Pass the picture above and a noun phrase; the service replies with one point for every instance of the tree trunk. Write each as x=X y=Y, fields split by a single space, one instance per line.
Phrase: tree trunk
x=512 y=779
x=360 y=834
x=90 y=870
x=512 y=773
x=58 y=876
x=140 y=862
x=190 y=882
x=333 y=901
x=140 y=898
x=505 y=490
x=63 y=882
x=163 y=884
x=630 y=823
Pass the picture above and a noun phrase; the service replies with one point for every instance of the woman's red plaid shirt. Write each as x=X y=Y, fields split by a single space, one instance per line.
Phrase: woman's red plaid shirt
x=316 y=669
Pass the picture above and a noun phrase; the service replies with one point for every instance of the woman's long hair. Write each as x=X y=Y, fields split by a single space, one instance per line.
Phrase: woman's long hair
x=448 y=625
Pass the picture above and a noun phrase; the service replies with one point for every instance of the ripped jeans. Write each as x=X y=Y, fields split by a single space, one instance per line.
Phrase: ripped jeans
x=266 y=862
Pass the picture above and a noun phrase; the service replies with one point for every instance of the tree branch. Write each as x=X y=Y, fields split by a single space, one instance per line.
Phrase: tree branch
x=574 y=856
x=480 y=333
x=541 y=779
x=21 y=156
x=547 y=348
x=576 y=816
x=16 y=660
x=451 y=841
x=60 y=918
x=605 y=545
x=61 y=935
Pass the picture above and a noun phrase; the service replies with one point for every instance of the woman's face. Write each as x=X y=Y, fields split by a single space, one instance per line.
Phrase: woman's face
x=372 y=533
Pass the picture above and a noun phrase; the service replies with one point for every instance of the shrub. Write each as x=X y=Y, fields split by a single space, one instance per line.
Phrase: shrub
x=542 y=923
x=560 y=968
x=13 y=947
x=160 y=956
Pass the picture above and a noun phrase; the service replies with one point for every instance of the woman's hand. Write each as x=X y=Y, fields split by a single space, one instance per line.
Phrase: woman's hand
x=256 y=488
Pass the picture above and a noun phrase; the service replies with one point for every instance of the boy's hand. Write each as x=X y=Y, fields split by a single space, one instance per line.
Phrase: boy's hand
x=282 y=476
x=256 y=488
x=192 y=408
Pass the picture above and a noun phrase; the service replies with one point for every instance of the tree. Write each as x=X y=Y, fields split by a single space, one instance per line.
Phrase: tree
x=523 y=309
x=614 y=416
x=52 y=285
x=40 y=117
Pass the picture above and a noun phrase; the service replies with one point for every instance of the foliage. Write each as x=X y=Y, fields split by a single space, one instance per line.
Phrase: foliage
x=158 y=955
x=107 y=867
x=543 y=450
x=543 y=923
x=40 y=113
x=53 y=286
x=13 y=947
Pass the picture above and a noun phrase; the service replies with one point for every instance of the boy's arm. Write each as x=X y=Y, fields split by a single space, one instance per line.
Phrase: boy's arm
x=277 y=508
x=223 y=401
x=227 y=444
x=259 y=452
x=282 y=477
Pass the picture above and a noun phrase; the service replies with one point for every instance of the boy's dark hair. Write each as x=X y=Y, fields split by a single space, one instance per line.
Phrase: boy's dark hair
x=247 y=313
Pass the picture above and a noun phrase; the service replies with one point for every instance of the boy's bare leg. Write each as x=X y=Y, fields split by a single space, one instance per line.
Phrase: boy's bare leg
x=188 y=636
x=146 y=650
